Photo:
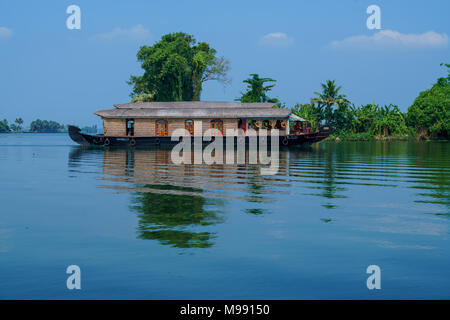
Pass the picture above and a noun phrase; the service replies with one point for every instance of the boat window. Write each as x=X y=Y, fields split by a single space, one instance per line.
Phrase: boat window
x=217 y=124
x=189 y=126
x=161 y=128
x=130 y=127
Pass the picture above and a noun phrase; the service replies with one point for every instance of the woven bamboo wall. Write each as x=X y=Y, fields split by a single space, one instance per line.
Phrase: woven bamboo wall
x=114 y=127
x=146 y=127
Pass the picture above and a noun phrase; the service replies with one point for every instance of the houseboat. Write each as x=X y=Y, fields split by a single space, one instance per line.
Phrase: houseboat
x=152 y=123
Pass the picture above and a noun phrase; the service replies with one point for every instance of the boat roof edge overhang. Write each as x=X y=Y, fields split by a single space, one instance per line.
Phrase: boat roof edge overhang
x=198 y=113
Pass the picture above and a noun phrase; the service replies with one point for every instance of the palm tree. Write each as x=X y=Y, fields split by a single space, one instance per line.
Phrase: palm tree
x=19 y=122
x=256 y=90
x=329 y=97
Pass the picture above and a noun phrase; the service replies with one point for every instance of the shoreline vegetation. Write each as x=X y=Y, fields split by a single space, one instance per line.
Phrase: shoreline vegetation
x=428 y=118
x=40 y=126
x=176 y=67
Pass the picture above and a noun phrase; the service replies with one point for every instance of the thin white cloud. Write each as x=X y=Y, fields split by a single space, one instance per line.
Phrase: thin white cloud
x=137 y=32
x=5 y=32
x=276 y=39
x=394 y=39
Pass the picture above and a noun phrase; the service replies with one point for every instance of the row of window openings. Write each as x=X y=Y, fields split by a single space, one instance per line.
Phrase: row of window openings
x=162 y=128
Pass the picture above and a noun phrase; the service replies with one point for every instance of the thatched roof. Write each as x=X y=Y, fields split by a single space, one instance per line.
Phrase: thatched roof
x=192 y=104
x=195 y=110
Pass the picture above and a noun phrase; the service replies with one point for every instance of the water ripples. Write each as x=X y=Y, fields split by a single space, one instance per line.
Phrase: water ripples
x=320 y=172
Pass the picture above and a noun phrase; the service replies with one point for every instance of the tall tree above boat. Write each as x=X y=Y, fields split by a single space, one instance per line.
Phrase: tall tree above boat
x=256 y=91
x=176 y=67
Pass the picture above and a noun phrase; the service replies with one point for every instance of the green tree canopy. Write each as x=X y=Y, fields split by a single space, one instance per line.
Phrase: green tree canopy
x=144 y=97
x=370 y=118
x=344 y=117
x=329 y=97
x=19 y=122
x=175 y=219
x=430 y=112
x=256 y=90
x=45 y=126
x=307 y=111
x=389 y=120
x=176 y=67
x=4 y=127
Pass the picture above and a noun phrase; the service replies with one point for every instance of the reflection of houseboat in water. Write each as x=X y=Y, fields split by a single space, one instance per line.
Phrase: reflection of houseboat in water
x=153 y=123
x=176 y=205
x=179 y=205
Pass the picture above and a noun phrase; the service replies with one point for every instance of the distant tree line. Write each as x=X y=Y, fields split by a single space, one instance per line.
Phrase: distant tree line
x=40 y=126
x=45 y=126
x=90 y=129
x=4 y=127
x=37 y=126
x=15 y=127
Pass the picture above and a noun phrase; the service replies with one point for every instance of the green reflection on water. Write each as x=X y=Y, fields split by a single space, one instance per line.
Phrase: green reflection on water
x=166 y=217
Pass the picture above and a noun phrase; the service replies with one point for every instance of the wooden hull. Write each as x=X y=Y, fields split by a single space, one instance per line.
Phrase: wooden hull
x=100 y=140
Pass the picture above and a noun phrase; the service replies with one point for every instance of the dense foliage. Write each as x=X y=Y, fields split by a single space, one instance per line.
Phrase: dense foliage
x=167 y=217
x=256 y=90
x=143 y=97
x=429 y=115
x=45 y=126
x=4 y=127
x=176 y=67
x=430 y=112
x=17 y=125
x=349 y=120
x=328 y=98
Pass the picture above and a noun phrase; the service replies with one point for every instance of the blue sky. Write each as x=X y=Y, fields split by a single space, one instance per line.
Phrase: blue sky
x=50 y=72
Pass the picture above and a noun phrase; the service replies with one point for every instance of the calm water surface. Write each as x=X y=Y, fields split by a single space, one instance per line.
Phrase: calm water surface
x=141 y=227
